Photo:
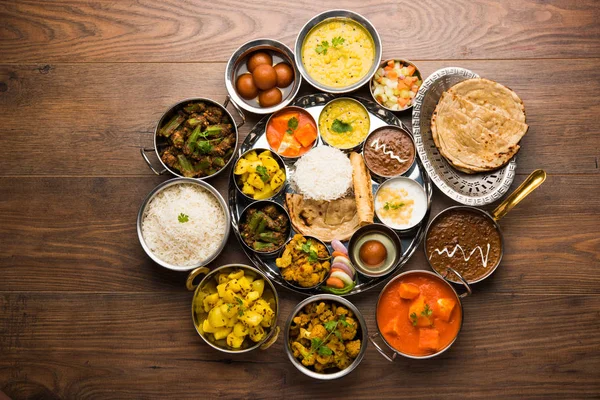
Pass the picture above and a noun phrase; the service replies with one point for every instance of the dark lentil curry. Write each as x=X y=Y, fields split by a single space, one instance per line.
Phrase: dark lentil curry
x=389 y=152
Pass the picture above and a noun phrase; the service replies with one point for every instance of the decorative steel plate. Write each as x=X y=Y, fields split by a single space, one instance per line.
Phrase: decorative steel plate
x=474 y=190
x=314 y=103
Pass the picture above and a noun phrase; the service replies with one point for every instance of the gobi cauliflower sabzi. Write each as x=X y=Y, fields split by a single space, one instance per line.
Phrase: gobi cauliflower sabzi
x=323 y=336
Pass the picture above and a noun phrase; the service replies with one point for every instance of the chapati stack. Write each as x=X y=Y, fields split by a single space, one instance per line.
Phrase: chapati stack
x=477 y=125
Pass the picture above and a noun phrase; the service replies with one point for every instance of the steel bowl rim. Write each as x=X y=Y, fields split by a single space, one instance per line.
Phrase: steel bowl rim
x=356 y=147
x=243 y=51
x=281 y=165
x=275 y=295
x=412 y=140
x=174 y=107
x=381 y=64
x=280 y=252
x=394 y=237
x=476 y=210
x=435 y=276
x=164 y=185
x=286 y=108
x=403 y=178
x=338 y=13
x=259 y=203
x=363 y=327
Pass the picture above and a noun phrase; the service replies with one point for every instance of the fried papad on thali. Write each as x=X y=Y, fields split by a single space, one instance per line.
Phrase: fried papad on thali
x=474 y=132
x=336 y=219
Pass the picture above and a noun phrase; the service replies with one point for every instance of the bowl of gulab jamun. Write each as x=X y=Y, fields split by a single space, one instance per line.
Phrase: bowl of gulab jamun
x=261 y=76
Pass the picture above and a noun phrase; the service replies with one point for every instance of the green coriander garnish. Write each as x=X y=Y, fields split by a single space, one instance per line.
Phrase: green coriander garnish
x=341 y=127
x=393 y=206
x=413 y=318
x=183 y=218
x=337 y=41
x=322 y=48
x=263 y=173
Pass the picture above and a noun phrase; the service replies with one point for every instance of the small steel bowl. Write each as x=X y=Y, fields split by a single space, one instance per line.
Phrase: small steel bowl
x=237 y=66
x=258 y=151
x=397 y=352
x=476 y=211
x=365 y=230
x=160 y=143
x=298 y=287
x=292 y=108
x=363 y=335
x=160 y=188
x=260 y=204
x=356 y=147
x=381 y=178
x=337 y=14
x=198 y=317
x=383 y=64
x=421 y=190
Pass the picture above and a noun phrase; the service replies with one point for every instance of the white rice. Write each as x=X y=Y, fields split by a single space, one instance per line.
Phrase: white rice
x=183 y=243
x=324 y=173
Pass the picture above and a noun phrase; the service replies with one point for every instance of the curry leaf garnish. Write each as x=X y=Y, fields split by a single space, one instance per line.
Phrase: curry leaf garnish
x=263 y=173
x=340 y=126
x=183 y=218
x=413 y=318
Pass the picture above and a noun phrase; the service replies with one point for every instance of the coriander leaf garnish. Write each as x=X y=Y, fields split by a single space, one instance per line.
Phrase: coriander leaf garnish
x=337 y=41
x=413 y=318
x=427 y=311
x=320 y=345
x=393 y=206
x=293 y=123
x=306 y=247
x=341 y=127
x=204 y=147
x=325 y=351
x=263 y=173
x=312 y=256
x=330 y=325
x=322 y=48
x=315 y=343
x=241 y=306
x=183 y=218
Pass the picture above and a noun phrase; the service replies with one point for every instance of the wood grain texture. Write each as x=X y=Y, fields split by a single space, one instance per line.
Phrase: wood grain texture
x=175 y=31
x=56 y=346
x=86 y=228
x=107 y=111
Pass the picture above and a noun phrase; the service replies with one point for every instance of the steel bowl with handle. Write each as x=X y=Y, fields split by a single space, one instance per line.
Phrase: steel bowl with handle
x=396 y=352
x=269 y=294
x=169 y=113
x=535 y=179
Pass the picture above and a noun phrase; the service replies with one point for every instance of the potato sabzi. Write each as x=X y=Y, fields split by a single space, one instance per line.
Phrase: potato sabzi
x=265 y=229
x=419 y=314
x=235 y=311
x=259 y=176
x=325 y=336
x=198 y=140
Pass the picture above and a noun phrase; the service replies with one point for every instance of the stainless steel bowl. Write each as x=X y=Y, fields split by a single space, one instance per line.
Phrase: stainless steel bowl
x=397 y=352
x=169 y=113
x=383 y=64
x=197 y=318
x=363 y=337
x=338 y=14
x=160 y=188
x=400 y=179
x=279 y=161
x=237 y=65
x=299 y=109
x=374 y=228
x=382 y=178
x=298 y=287
x=356 y=147
x=262 y=203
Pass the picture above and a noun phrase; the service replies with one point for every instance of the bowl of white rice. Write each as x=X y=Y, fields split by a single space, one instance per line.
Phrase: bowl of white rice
x=183 y=224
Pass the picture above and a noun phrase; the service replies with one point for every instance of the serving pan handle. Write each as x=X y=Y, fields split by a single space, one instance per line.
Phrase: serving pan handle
x=463 y=281
x=189 y=283
x=535 y=179
x=272 y=339
x=379 y=349
x=238 y=109
x=143 y=152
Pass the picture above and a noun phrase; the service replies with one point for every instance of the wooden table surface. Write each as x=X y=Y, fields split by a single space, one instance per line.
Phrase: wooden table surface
x=84 y=313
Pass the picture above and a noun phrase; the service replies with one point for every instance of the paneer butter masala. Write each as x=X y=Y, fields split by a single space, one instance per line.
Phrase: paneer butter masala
x=419 y=314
